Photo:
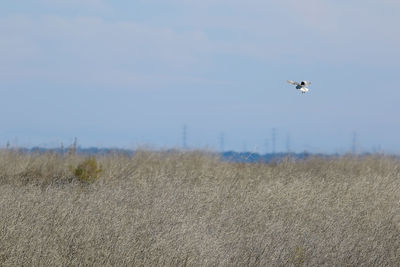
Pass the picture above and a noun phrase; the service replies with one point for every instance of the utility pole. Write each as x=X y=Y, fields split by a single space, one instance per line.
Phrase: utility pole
x=273 y=140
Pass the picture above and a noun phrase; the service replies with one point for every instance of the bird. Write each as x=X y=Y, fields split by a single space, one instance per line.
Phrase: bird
x=302 y=86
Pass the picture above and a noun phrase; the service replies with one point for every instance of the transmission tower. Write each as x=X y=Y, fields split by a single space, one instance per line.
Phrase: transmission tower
x=266 y=146
x=222 y=142
x=354 y=144
x=184 y=137
x=273 y=140
x=288 y=143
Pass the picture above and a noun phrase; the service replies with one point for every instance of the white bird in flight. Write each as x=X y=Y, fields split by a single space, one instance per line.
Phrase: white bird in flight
x=302 y=86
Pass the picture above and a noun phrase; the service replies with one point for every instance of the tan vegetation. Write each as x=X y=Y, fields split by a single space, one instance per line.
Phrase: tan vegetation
x=193 y=209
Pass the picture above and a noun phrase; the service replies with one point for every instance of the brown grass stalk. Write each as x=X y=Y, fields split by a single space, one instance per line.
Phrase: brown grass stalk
x=192 y=209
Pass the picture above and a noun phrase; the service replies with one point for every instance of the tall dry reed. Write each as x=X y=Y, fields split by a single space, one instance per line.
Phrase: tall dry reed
x=190 y=208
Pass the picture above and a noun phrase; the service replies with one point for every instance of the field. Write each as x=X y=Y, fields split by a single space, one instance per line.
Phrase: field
x=192 y=209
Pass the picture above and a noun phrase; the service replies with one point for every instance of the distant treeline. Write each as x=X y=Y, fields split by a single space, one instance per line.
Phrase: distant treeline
x=249 y=157
x=232 y=156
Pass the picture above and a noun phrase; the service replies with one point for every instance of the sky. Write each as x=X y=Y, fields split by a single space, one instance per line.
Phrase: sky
x=132 y=73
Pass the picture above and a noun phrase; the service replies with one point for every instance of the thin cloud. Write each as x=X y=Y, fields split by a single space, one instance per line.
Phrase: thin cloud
x=313 y=30
x=131 y=52
x=90 y=49
x=97 y=4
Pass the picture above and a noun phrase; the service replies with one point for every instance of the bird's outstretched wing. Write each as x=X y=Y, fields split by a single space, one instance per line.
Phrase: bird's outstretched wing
x=293 y=82
x=307 y=83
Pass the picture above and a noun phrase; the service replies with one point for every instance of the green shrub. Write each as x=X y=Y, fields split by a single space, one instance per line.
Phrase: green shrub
x=88 y=171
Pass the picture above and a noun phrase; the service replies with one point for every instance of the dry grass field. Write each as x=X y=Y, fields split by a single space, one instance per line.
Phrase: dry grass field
x=192 y=209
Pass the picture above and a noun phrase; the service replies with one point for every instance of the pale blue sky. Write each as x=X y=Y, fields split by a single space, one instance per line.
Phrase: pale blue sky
x=128 y=73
